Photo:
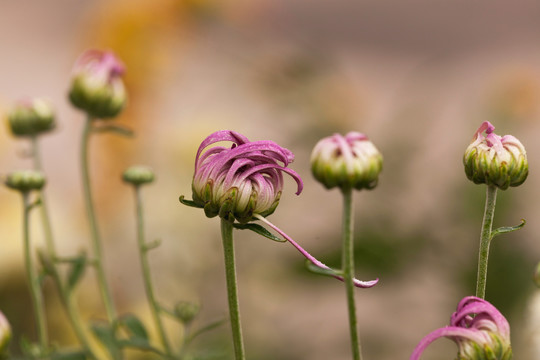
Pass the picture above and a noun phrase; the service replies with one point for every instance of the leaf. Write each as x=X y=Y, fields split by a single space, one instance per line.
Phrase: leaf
x=76 y=271
x=206 y=328
x=326 y=272
x=261 y=230
x=507 y=229
x=73 y=355
x=189 y=202
x=105 y=334
x=134 y=326
x=152 y=245
x=114 y=128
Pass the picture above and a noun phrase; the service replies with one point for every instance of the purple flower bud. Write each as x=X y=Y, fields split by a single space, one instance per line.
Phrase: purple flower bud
x=495 y=160
x=5 y=334
x=479 y=330
x=349 y=161
x=30 y=117
x=97 y=86
x=242 y=180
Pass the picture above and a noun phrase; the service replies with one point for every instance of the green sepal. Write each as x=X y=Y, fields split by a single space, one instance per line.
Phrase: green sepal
x=76 y=271
x=507 y=229
x=320 y=271
x=114 y=128
x=190 y=202
x=261 y=230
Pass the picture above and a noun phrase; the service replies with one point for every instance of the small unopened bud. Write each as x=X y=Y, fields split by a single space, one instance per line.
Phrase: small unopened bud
x=25 y=180
x=138 y=175
x=495 y=160
x=350 y=161
x=186 y=311
x=5 y=334
x=97 y=86
x=31 y=117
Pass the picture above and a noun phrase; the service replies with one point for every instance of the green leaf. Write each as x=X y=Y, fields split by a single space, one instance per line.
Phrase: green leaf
x=326 y=272
x=507 y=229
x=206 y=328
x=261 y=230
x=189 y=202
x=134 y=326
x=105 y=334
x=114 y=128
x=76 y=271
x=152 y=245
x=73 y=355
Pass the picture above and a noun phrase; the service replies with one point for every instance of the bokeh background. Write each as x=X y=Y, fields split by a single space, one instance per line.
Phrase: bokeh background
x=417 y=76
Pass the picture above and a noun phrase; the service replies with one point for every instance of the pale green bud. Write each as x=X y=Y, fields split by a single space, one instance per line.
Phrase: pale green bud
x=350 y=161
x=186 y=311
x=31 y=117
x=25 y=180
x=138 y=175
x=495 y=160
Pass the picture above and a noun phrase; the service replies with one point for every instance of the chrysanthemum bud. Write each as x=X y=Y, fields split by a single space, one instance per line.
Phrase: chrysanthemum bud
x=495 y=160
x=97 y=86
x=186 y=311
x=240 y=181
x=478 y=328
x=350 y=161
x=30 y=117
x=5 y=334
x=25 y=180
x=138 y=175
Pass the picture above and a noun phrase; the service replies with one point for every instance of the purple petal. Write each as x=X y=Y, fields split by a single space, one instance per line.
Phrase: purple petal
x=452 y=332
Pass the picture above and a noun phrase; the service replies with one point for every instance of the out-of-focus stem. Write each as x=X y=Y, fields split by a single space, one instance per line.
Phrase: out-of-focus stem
x=96 y=240
x=485 y=239
x=232 y=289
x=143 y=251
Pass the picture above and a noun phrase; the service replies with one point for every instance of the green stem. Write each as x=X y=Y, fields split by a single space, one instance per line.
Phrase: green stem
x=143 y=251
x=485 y=239
x=232 y=289
x=67 y=299
x=96 y=240
x=33 y=281
x=348 y=269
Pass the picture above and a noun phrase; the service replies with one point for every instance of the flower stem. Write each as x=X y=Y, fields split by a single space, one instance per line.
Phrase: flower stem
x=96 y=240
x=33 y=281
x=143 y=251
x=348 y=269
x=485 y=239
x=67 y=299
x=232 y=290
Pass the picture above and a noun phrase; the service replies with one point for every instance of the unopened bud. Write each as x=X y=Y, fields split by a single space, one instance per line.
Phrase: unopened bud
x=97 y=86
x=138 y=175
x=495 y=160
x=25 y=180
x=186 y=311
x=350 y=161
x=31 y=117
x=5 y=334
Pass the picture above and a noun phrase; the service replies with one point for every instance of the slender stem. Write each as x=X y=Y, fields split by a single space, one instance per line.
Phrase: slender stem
x=67 y=299
x=348 y=269
x=485 y=239
x=33 y=281
x=232 y=290
x=96 y=240
x=143 y=251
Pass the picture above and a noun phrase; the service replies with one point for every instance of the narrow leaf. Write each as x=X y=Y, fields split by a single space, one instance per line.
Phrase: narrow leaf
x=73 y=355
x=189 y=202
x=114 y=128
x=76 y=271
x=507 y=229
x=152 y=244
x=261 y=230
x=206 y=328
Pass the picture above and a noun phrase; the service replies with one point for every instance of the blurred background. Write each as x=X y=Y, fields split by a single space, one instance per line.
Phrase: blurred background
x=417 y=76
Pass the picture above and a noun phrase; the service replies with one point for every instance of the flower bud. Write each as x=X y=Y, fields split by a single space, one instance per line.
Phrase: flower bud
x=349 y=161
x=495 y=160
x=478 y=328
x=97 y=86
x=138 y=175
x=31 y=117
x=186 y=311
x=238 y=182
x=25 y=180
x=5 y=334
